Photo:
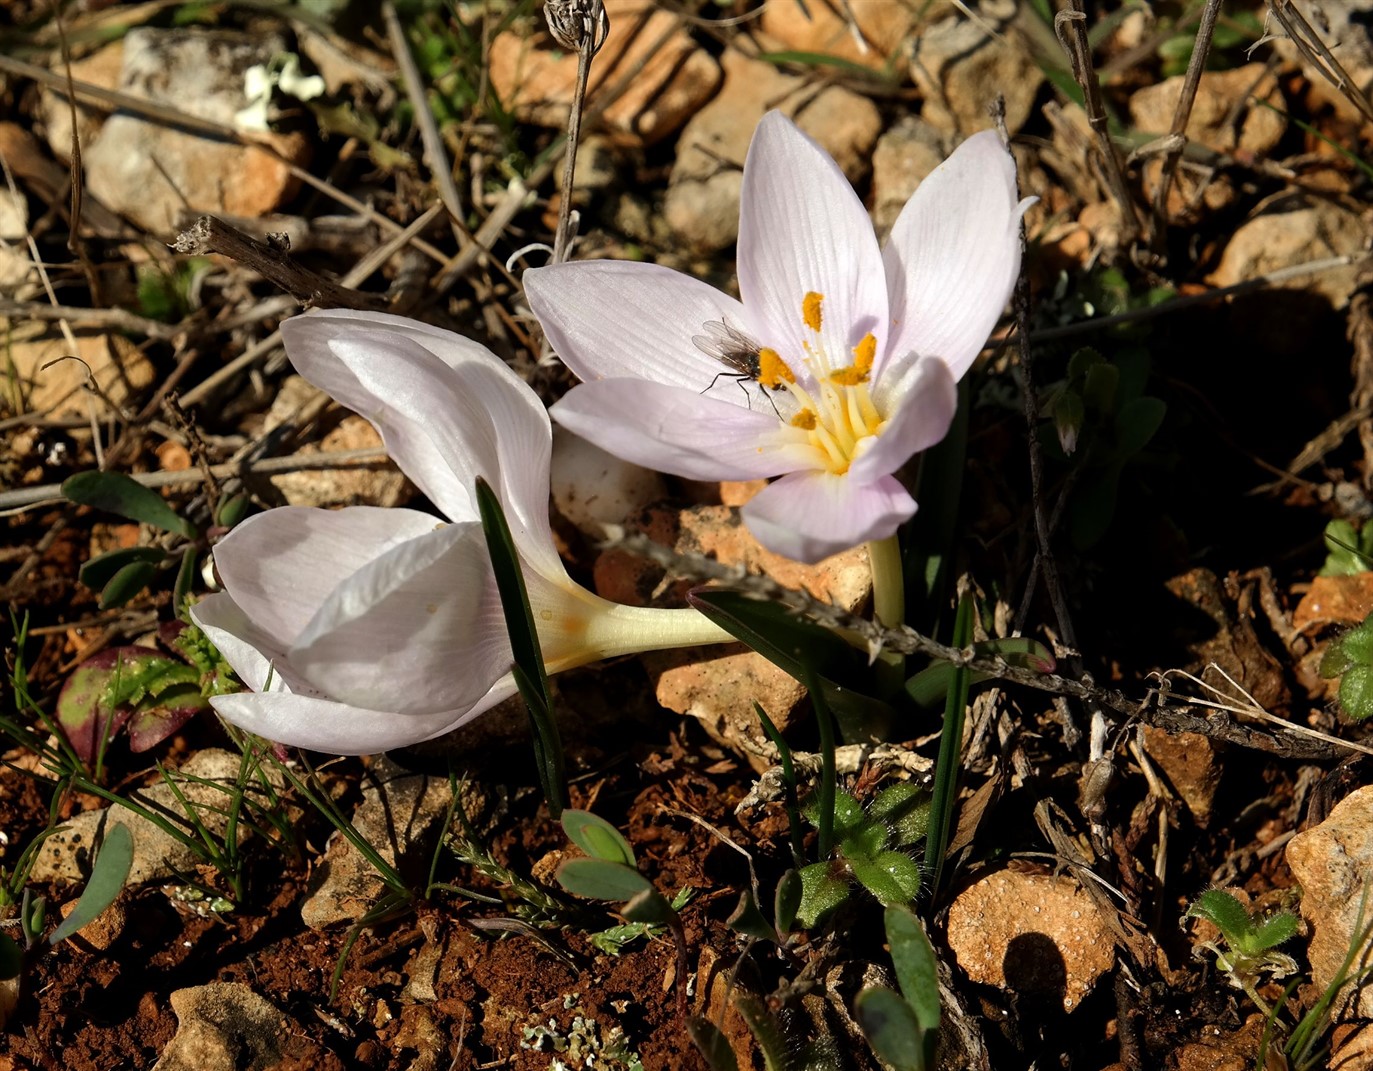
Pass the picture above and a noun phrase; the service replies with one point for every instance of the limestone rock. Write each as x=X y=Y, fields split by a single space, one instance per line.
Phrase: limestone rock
x=1335 y=600
x=702 y=204
x=1032 y=932
x=225 y=1026
x=1332 y=863
x=1300 y=232
x=960 y=68
x=1190 y=763
x=58 y=388
x=535 y=77
x=154 y=173
x=398 y=816
x=904 y=156
x=1226 y=114
x=592 y=488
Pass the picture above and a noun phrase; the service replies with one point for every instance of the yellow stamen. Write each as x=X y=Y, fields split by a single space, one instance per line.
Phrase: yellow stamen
x=810 y=309
x=861 y=369
x=805 y=420
x=772 y=370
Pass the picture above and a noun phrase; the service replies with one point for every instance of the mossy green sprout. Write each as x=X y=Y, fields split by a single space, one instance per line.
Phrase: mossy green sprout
x=871 y=850
x=1350 y=658
x=1246 y=948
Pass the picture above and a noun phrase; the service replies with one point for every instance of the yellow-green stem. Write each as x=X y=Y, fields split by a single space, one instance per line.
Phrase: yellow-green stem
x=888 y=585
x=889 y=607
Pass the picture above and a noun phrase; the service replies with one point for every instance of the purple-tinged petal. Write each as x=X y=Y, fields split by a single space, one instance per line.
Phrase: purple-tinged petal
x=675 y=430
x=808 y=516
x=611 y=319
x=803 y=229
x=401 y=632
x=919 y=410
x=282 y=564
x=324 y=725
x=954 y=254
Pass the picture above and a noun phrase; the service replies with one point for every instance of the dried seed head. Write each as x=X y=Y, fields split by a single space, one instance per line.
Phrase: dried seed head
x=573 y=22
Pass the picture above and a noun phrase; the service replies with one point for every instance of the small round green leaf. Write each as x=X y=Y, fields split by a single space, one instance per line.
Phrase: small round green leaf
x=891 y=1028
x=597 y=837
x=126 y=583
x=100 y=570
x=1224 y=912
x=892 y=877
x=787 y=901
x=598 y=879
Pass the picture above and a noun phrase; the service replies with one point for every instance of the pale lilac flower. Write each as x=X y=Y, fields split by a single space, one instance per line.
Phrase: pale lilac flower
x=838 y=365
x=364 y=629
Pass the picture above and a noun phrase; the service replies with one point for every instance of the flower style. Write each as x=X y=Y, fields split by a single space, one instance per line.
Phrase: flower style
x=364 y=629
x=837 y=366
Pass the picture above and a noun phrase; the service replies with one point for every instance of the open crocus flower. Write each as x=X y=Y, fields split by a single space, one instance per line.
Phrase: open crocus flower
x=364 y=629
x=837 y=366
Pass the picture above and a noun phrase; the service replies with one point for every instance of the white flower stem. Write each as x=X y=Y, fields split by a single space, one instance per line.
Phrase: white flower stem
x=612 y=629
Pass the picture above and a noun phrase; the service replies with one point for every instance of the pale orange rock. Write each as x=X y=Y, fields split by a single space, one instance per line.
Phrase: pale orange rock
x=1335 y=600
x=670 y=75
x=155 y=173
x=738 y=492
x=1332 y=862
x=55 y=385
x=1222 y=98
x=702 y=204
x=378 y=484
x=1190 y=763
x=881 y=29
x=1028 y=930
x=719 y=685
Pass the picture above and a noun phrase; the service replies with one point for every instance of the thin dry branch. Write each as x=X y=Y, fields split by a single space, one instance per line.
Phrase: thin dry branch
x=271 y=260
x=1070 y=25
x=1183 y=112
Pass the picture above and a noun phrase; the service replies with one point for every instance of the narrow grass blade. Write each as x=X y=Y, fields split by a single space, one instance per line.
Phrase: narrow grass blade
x=524 y=643
x=950 y=750
x=828 y=778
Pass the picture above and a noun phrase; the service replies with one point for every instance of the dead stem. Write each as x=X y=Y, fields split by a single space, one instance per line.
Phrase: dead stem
x=1181 y=114
x=1070 y=25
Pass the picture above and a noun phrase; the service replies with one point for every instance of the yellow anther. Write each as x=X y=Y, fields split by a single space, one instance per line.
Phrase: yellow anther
x=772 y=370
x=861 y=369
x=810 y=309
x=805 y=420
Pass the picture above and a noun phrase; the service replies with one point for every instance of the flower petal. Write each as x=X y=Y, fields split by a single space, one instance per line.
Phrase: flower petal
x=448 y=409
x=335 y=728
x=673 y=430
x=802 y=229
x=401 y=632
x=954 y=254
x=609 y=319
x=920 y=409
x=808 y=516
x=281 y=565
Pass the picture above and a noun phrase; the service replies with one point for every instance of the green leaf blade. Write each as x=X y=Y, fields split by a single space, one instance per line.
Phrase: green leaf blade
x=117 y=493
x=108 y=875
